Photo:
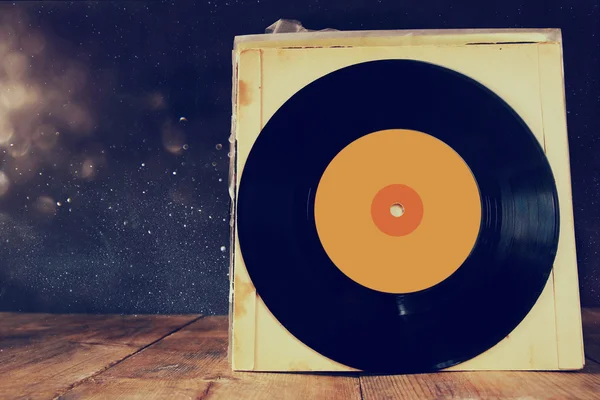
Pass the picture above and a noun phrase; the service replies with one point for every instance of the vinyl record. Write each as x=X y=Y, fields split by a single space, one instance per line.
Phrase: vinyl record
x=397 y=216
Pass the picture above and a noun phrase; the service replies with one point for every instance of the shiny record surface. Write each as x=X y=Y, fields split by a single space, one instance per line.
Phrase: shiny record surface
x=377 y=331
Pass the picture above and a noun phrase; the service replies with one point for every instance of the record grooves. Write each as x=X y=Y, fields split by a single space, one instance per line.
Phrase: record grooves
x=455 y=320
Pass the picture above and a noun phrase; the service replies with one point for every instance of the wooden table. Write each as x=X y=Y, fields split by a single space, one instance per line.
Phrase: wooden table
x=46 y=356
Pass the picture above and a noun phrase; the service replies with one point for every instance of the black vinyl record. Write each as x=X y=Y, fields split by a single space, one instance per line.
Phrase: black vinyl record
x=451 y=322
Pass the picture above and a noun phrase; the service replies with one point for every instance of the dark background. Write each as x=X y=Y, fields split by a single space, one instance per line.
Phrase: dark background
x=111 y=202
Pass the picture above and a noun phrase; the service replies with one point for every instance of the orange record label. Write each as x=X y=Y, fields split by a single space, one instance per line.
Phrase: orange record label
x=398 y=211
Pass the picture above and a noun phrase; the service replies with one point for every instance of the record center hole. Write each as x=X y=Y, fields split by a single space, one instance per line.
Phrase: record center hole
x=396 y=210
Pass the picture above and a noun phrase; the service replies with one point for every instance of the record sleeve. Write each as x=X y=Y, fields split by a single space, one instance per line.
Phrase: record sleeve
x=263 y=88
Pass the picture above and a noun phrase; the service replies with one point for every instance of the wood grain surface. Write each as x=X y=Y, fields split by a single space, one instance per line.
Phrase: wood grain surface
x=42 y=356
x=185 y=357
x=192 y=363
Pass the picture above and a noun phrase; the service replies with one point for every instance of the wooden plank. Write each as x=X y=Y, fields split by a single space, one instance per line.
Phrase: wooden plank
x=486 y=385
x=43 y=355
x=591 y=333
x=192 y=363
